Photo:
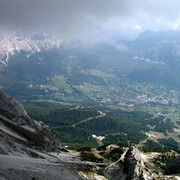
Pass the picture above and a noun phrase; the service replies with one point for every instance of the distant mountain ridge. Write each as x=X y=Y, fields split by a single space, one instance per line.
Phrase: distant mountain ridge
x=152 y=46
x=162 y=47
x=12 y=43
x=37 y=67
x=159 y=35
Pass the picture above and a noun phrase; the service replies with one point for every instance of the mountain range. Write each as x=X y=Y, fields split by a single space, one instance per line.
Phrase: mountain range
x=36 y=67
x=12 y=43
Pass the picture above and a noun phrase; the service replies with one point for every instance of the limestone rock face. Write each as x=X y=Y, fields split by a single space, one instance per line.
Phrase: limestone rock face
x=133 y=164
x=13 y=43
x=24 y=146
x=18 y=130
x=11 y=105
x=129 y=167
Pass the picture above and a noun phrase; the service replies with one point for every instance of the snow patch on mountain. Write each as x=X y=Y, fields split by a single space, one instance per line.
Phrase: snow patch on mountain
x=12 y=43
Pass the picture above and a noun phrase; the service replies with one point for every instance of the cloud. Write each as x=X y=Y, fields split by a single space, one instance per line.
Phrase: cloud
x=60 y=16
x=72 y=19
x=137 y=27
x=174 y=25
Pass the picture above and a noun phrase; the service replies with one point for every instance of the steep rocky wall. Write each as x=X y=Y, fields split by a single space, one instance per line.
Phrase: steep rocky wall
x=131 y=166
x=11 y=105
x=16 y=122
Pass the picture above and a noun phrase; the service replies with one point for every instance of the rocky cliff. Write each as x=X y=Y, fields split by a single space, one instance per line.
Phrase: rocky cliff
x=12 y=43
x=18 y=129
x=25 y=146
x=131 y=166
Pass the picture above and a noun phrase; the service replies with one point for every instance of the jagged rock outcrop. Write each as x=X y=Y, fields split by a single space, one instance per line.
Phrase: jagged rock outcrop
x=12 y=43
x=18 y=129
x=131 y=166
x=173 y=167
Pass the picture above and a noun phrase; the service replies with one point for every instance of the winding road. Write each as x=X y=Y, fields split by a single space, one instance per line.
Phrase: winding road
x=88 y=119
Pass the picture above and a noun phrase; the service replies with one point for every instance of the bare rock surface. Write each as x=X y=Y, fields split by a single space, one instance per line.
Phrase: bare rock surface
x=20 y=168
x=131 y=166
x=11 y=105
x=24 y=147
x=18 y=126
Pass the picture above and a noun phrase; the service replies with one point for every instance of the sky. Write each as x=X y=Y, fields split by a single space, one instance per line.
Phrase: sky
x=90 y=20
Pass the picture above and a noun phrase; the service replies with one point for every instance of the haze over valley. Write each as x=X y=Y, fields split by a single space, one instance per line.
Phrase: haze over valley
x=100 y=78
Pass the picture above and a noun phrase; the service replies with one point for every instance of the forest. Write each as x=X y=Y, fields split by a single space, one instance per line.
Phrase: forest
x=116 y=126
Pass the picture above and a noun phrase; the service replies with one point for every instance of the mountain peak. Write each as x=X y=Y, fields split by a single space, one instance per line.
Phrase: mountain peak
x=158 y=35
x=130 y=166
x=12 y=43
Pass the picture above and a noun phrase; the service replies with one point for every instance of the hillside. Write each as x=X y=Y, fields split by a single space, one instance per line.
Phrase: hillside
x=82 y=126
x=30 y=150
x=25 y=145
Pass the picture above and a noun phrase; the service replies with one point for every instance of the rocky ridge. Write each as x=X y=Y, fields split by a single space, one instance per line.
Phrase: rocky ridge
x=17 y=126
x=132 y=165
x=12 y=43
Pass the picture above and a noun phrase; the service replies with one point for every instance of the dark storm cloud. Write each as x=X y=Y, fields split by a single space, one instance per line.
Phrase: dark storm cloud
x=57 y=14
x=70 y=18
